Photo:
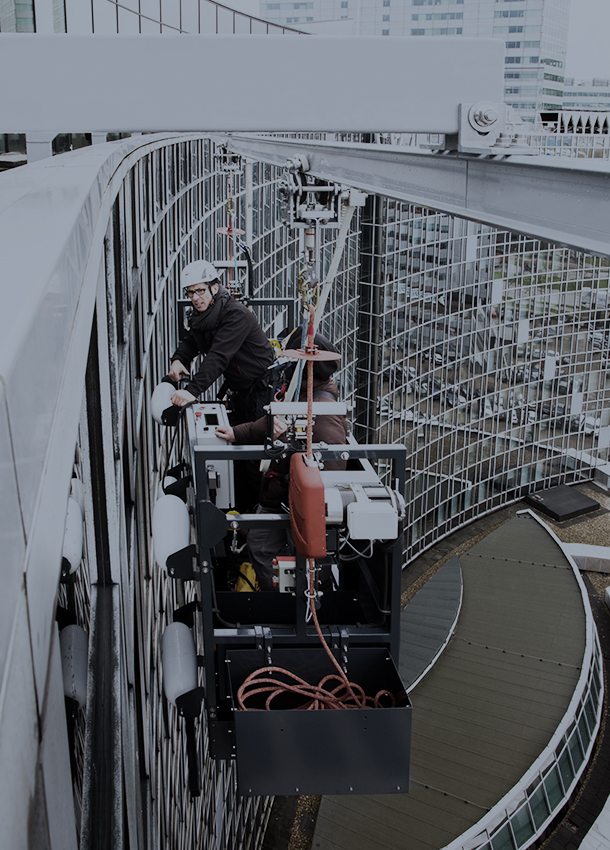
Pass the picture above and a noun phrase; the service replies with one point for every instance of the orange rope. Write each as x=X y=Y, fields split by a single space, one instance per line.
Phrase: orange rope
x=310 y=347
x=344 y=695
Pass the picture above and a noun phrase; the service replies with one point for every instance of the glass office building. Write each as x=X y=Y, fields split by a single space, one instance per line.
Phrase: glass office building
x=17 y=17
x=487 y=354
x=586 y=95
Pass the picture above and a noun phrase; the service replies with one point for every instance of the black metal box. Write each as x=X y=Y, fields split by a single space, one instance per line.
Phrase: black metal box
x=345 y=751
x=561 y=502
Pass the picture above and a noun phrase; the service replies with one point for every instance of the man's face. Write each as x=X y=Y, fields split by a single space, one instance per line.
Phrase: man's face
x=201 y=294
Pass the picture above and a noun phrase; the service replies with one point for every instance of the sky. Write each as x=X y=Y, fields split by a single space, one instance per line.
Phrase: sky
x=588 y=43
x=589 y=34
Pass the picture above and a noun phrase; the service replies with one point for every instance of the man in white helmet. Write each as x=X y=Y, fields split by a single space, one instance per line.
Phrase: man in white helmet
x=231 y=341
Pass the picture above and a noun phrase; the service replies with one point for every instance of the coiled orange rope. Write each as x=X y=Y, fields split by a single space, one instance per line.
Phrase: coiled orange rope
x=345 y=694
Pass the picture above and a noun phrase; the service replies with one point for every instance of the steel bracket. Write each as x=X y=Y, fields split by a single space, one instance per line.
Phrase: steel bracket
x=180 y=564
x=490 y=128
x=189 y=704
x=264 y=640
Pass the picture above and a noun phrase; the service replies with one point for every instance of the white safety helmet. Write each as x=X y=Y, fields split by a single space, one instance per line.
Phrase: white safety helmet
x=199 y=272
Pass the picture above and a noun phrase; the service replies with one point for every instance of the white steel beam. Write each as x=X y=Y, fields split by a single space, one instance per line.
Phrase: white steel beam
x=554 y=199
x=69 y=83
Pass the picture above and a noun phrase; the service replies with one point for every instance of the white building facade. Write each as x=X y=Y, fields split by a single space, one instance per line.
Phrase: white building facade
x=586 y=95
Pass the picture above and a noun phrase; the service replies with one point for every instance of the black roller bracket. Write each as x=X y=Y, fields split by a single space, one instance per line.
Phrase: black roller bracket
x=64 y=617
x=186 y=613
x=189 y=704
x=192 y=758
x=176 y=471
x=65 y=570
x=170 y=415
x=179 y=488
x=180 y=563
x=212 y=524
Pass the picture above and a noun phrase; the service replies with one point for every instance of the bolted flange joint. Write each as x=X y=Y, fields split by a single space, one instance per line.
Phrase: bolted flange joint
x=483 y=116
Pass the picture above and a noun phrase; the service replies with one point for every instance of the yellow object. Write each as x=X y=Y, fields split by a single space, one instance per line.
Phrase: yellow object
x=247 y=581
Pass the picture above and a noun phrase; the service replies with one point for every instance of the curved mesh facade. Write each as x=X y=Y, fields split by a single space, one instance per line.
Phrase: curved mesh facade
x=486 y=353
x=168 y=210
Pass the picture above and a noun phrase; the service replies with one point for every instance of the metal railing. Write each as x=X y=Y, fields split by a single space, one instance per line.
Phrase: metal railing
x=519 y=819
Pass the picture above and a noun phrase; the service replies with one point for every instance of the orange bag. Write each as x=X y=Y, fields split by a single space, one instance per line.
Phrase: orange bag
x=307 y=508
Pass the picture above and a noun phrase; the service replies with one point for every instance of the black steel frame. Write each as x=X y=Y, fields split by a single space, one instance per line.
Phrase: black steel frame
x=212 y=525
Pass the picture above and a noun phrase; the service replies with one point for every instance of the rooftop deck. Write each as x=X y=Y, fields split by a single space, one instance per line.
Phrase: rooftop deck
x=491 y=703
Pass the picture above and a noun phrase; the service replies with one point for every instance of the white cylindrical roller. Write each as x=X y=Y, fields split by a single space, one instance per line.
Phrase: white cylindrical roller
x=310 y=238
x=171 y=528
x=73 y=647
x=73 y=535
x=77 y=491
x=161 y=400
x=179 y=661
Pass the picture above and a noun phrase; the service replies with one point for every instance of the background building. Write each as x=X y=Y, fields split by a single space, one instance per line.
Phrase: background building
x=487 y=353
x=586 y=95
x=19 y=17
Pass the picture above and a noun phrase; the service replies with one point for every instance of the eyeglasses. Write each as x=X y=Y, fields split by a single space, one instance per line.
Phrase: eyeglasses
x=193 y=292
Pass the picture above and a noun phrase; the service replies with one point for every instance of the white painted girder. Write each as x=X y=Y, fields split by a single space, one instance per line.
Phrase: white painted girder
x=267 y=83
x=554 y=199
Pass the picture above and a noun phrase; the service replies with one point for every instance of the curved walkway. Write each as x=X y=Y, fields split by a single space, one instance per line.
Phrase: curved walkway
x=428 y=621
x=490 y=705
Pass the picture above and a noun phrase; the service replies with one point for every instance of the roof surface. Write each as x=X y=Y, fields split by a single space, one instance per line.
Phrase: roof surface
x=489 y=705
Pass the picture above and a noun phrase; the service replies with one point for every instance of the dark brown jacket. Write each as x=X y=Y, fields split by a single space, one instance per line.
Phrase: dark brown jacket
x=326 y=429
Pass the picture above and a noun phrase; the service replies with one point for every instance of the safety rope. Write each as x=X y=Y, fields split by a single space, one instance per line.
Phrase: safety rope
x=231 y=211
x=310 y=349
x=321 y=297
x=334 y=265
